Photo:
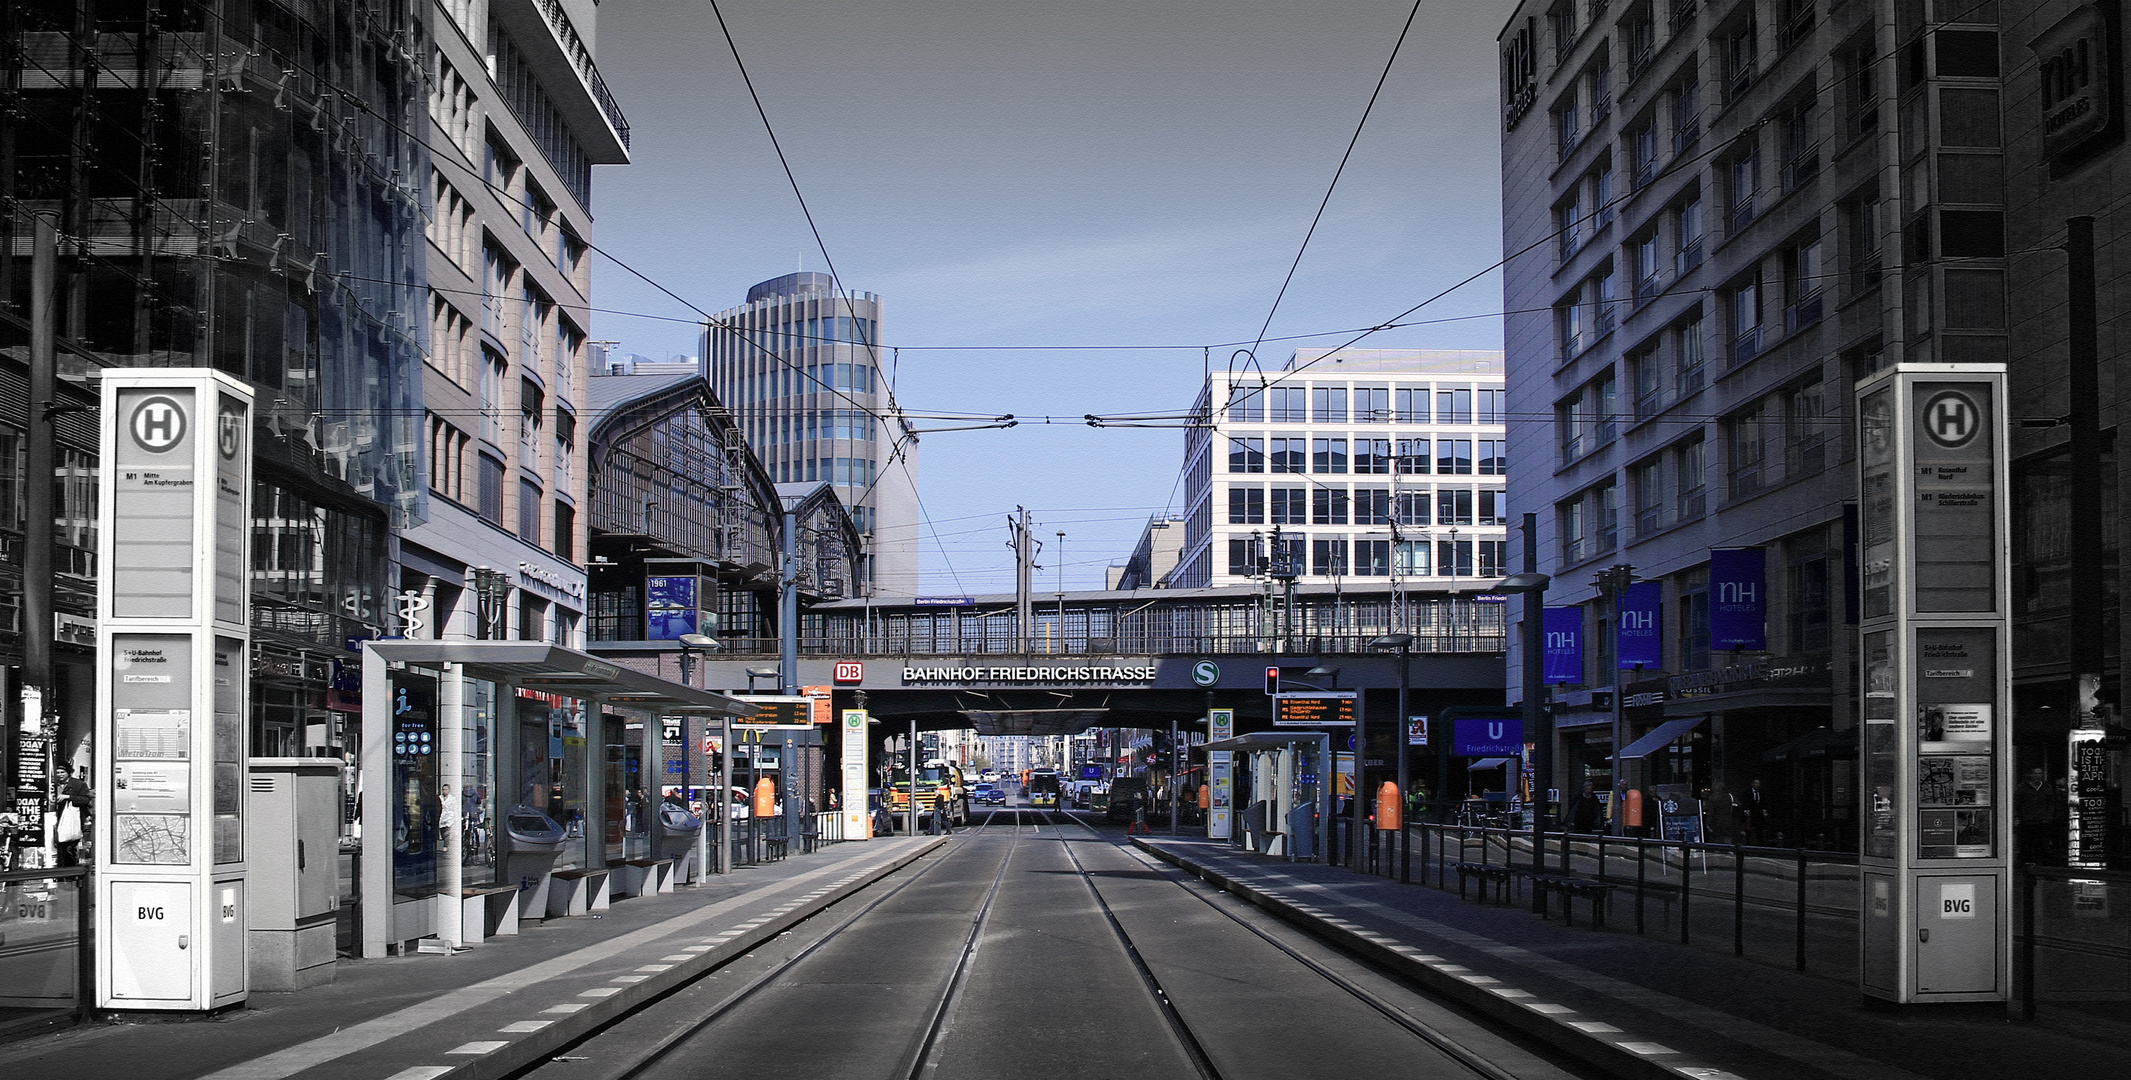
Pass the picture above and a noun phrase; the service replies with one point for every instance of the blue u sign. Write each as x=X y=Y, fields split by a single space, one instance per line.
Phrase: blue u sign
x=1484 y=737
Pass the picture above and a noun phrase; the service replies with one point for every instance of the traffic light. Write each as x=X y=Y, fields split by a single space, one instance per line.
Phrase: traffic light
x=1272 y=681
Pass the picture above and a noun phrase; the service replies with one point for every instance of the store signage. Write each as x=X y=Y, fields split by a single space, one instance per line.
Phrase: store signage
x=1485 y=737
x=1761 y=673
x=1520 y=72
x=2076 y=73
x=1738 y=599
x=1320 y=709
x=532 y=573
x=1094 y=674
x=1564 y=645
x=1416 y=731
x=1642 y=636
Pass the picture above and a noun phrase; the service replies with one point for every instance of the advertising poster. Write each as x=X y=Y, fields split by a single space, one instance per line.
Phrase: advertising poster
x=670 y=607
x=1738 y=598
x=1953 y=728
x=1642 y=637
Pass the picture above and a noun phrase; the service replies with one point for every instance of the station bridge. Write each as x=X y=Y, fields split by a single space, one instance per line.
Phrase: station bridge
x=1131 y=659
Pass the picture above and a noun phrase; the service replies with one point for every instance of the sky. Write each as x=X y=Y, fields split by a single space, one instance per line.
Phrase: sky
x=1017 y=178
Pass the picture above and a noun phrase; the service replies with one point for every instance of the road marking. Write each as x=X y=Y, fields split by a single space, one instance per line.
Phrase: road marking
x=601 y=991
x=421 y=1072
x=522 y=1026
x=1547 y=1008
x=567 y=1007
x=656 y=968
x=678 y=956
x=629 y=979
x=485 y=1046
x=1593 y=1027
x=1646 y=1049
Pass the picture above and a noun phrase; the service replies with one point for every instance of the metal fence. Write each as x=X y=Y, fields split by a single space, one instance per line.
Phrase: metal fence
x=44 y=931
x=1790 y=906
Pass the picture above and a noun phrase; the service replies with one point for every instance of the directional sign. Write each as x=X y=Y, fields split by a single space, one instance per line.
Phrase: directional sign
x=1483 y=737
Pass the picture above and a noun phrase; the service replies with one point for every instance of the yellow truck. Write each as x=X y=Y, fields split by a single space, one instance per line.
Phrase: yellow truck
x=932 y=776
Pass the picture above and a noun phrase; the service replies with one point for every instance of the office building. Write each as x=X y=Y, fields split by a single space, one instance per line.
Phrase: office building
x=1356 y=465
x=802 y=369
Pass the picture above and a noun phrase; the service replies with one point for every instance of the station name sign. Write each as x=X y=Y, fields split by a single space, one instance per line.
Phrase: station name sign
x=1125 y=673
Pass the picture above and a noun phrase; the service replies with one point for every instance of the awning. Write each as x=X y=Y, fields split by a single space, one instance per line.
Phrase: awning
x=1661 y=736
x=537 y=665
x=1489 y=763
x=1265 y=740
x=1819 y=742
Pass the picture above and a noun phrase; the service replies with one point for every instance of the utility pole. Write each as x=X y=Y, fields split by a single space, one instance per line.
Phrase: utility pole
x=37 y=503
x=1614 y=581
x=1024 y=569
x=2083 y=384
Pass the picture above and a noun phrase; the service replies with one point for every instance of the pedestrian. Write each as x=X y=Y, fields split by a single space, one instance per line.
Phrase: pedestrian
x=2035 y=806
x=942 y=800
x=1585 y=813
x=1720 y=815
x=1760 y=812
x=73 y=814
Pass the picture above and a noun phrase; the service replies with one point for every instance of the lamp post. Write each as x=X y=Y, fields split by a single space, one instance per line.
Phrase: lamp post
x=690 y=643
x=1538 y=720
x=1404 y=644
x=1614 y=581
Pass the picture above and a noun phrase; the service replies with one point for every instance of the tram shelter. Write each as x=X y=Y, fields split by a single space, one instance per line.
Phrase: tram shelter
x=1285 y=796
x=460 y=737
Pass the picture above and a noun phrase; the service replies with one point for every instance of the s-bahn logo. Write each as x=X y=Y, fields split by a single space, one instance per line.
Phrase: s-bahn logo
x=157 y=424
x=1205 y=673
x=1951 y=419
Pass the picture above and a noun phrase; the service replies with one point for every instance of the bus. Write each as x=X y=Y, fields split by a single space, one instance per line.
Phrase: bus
x=932 y=776
x=1043 y=789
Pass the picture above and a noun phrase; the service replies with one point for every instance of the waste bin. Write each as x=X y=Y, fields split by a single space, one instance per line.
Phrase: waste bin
x=535 y=840
x=679 y=841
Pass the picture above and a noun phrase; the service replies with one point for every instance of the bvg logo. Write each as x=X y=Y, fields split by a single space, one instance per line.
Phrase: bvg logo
x=157 y=424
x=848 y=671
x=1952 y=419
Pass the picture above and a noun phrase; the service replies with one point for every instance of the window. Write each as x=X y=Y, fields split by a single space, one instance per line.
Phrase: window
x=1412 y=404
x=1290 y=405
x=1640 y=33
x=1413 y=456
x=1743 y=181
x=1372 y=506
x=1567 y=124
x=1453 y=558
x=1328 y=555
x=1246 y=405
x=1494 y=509
x=1649 y=378
x=1743 y=306
x=1690 y=469
x=1328 y=506
x=1453 y=506
x=1602 y=197
x=1605 y=392
x=1642 y=153
x=1801 y=286
x=493 y=372
x=1563 y=22
x=1246 y=455
x=1414 y=558
x=1328 y=455
x=1453 y=456
x=1805 y=420
x=1453 y=406
x=1810 y=607
x=1568 y=324
x=1693 y=622
x=1568 y=224
x=1589 y=523
x=1605 y=292
x=491 y=490
x=1648 y=480
x=1494 y=558
x=1290 y=455
x=1687 y=229
x=1372 y=405
x=1412 y=508
x=1290 y=506
x=447 y=459
x=1687 y=349
x=1861 y=89
x=1686 y=114
x=1648 y=281
x=1867 y=257
x=1372 y=558
x=1489 y=406
x=1741 y=50
x=1372 y=455
x=1748 y=450
x=1242 y=556
x=1572 y=423
x=529 y=511
x=1328 y=404
x=1801 y=145
x=1494 y=460
x=1246 y=504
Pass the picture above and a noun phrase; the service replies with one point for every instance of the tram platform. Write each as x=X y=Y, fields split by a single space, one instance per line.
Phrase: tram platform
x=1638 y=1007
x=482 y=1012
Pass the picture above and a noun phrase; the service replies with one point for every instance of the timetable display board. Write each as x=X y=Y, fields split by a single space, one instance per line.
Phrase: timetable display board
x=1318 y=709
x=173 y=642
x=1935 y=683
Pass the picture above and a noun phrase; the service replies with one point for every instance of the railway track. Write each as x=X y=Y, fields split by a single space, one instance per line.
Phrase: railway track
x=896 y=982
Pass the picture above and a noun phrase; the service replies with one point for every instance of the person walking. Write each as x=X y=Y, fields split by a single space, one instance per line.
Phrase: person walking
x=73 y=814
x=1585 y=814
x=2035 y=808
x=943 y=798
x=1760 y=812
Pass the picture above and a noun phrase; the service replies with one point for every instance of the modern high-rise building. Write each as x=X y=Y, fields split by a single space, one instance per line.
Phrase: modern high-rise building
x=801 y=367
x=1372 y=464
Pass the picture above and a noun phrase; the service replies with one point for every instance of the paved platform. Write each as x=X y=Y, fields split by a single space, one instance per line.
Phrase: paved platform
x=1637 y=1006
x=484 y=1012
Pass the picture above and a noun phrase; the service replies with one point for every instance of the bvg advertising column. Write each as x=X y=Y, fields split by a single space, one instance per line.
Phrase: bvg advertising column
x=1936 y=864
x=173 y=634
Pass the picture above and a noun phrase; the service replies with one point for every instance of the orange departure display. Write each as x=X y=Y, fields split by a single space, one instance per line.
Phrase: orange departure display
x=1312 y=710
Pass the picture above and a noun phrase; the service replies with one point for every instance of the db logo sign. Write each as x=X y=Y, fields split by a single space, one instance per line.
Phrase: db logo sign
x=157 y=424
x=850 y=671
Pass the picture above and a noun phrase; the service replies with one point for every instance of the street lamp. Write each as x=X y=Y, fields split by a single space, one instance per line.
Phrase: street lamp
x=1538 y=722
x=691 y=644
x=1614 y=581
x=1404 y=644
x=754 y=673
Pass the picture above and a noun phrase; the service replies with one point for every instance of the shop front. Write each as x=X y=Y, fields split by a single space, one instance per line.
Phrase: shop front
x=492 y=769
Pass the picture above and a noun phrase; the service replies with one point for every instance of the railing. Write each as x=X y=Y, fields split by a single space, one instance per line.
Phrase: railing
x=1802 y=314
x=1791 y=906
x=1803 y=166
x=1746 y=345
x=1741 y=215
x=1683 y=12
x=1685 y=133
x=45 y=962
x=2072 y=952
x=1688 y=258
x=580 y=56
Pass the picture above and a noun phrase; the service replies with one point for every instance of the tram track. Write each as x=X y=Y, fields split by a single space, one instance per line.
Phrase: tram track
x=677 y=1033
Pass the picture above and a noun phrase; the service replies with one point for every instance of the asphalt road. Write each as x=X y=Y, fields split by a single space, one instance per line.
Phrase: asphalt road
x=1035 y=946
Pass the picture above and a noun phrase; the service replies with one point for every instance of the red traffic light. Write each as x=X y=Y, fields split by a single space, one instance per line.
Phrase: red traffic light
x=1272 y=681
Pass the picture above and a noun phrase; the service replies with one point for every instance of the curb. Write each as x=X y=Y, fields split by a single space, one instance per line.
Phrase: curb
x=531 y=1049
x=1617 y=1054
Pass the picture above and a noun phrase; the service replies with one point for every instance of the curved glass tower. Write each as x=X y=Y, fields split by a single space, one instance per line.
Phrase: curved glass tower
x=800 y=368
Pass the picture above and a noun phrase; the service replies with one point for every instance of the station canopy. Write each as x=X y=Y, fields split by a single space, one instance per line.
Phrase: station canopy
x=537 y=665
x=1034 y=721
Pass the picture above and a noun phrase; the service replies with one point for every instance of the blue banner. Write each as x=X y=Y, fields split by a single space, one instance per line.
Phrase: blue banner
x=1564 y=645
x=1642 y=627
x=1738 y=598
x=1481 y=737
x=670 y=608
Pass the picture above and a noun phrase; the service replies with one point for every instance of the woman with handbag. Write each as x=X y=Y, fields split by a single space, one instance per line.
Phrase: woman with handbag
x=73 y=810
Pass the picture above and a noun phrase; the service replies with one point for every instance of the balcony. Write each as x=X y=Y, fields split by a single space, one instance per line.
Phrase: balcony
x=1647 y=288
x=1746 y=345
x=1805 y=312
x=1645 y=171
x=1683 y=13
x=1802 y=168
x=541 y=29
x=1740 y=80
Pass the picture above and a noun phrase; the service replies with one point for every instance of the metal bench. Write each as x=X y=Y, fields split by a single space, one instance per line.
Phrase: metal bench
x=1571 y=890
x=1504 y=878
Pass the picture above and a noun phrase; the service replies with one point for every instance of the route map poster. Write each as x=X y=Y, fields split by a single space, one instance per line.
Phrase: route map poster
x=152 y=721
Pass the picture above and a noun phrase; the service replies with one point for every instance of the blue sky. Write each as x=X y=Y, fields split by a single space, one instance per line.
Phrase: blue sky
x=1041 y=175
